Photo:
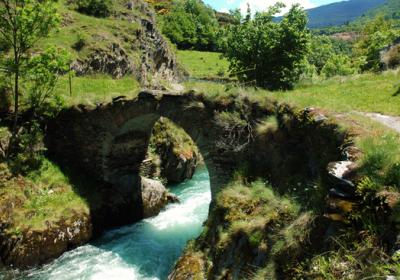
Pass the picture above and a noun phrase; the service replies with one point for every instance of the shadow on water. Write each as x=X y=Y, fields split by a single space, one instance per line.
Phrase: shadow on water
x=142 y=251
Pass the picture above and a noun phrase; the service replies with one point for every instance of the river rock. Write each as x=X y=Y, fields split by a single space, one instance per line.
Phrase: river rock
x=154 y=196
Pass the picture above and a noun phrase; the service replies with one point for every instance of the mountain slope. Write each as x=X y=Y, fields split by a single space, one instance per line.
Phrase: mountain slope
x=341 y=12
x=127 y=42
x=391 y=9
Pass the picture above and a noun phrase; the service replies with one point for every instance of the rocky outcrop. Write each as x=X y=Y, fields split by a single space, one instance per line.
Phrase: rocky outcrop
x=141 y=51
x=172 y=154
x=179 y=167
x=113 y=61
x=158 y=60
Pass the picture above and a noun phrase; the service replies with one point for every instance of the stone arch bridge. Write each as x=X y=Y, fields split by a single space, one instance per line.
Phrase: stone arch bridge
x=109 y=142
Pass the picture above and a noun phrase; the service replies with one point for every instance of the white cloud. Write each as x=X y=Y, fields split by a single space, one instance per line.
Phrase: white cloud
x=262 y=5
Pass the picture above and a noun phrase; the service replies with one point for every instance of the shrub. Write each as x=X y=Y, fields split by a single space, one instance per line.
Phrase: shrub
x=321 y=51
x=338 y=65
x=97 y=8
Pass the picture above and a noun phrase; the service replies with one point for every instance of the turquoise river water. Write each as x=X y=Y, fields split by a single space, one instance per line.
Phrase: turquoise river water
x=144 y=251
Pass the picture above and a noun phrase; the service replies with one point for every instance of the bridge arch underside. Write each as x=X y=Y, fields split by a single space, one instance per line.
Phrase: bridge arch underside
x=109 y=142
x=125 y=148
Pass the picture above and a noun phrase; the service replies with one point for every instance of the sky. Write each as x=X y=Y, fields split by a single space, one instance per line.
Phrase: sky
x=257 y=5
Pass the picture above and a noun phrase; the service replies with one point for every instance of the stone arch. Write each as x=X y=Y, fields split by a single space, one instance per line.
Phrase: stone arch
x=110 y=141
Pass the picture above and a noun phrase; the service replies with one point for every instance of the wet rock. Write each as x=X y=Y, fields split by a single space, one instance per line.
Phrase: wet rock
x=154 y=196
x=338 y=174
x=336 y=193
x=172 y=198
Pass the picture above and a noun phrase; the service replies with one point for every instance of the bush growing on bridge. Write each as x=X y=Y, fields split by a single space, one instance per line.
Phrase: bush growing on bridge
x=268 y=53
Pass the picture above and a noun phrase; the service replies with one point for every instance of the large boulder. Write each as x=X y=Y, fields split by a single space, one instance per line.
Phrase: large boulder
x=154 y=196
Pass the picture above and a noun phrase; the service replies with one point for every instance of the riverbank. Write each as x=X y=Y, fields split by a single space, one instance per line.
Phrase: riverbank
x=145 y=250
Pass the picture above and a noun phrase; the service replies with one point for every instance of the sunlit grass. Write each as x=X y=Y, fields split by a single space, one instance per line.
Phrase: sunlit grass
x=204 y=64
x=96 y=89
x=363 y=93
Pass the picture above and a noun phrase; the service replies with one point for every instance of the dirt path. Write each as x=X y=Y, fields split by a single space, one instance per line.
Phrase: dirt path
x=389 y=121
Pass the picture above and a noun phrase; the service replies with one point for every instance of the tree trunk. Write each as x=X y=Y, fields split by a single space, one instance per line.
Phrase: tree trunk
x=16 y=105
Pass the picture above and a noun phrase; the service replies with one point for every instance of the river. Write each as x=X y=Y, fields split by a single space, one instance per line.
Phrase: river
x=143 y=251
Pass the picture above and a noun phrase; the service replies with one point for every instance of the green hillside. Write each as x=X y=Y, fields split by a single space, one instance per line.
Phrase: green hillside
x=340 y=13
x=390 y=9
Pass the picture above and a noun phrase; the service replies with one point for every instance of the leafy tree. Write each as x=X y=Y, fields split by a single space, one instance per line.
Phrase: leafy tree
x=376 y=35
x=22 y=24
x=180 y=28
x=321 y=51
x=191 y=24
x=267 y=52
x=324 y=48
x=41 y=78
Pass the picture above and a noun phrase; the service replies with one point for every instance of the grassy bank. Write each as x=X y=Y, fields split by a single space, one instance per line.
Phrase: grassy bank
x=364 y=93
x=204 y=64
x=95 y=89
x=41 y=198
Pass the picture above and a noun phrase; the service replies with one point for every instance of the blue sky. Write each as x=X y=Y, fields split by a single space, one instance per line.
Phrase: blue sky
x=225 y=5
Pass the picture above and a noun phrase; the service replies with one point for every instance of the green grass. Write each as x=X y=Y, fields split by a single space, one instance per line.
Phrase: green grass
x=91 y=90
x=204 y=64
x=43 y=197
x=98 y=33
x=363 y=93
